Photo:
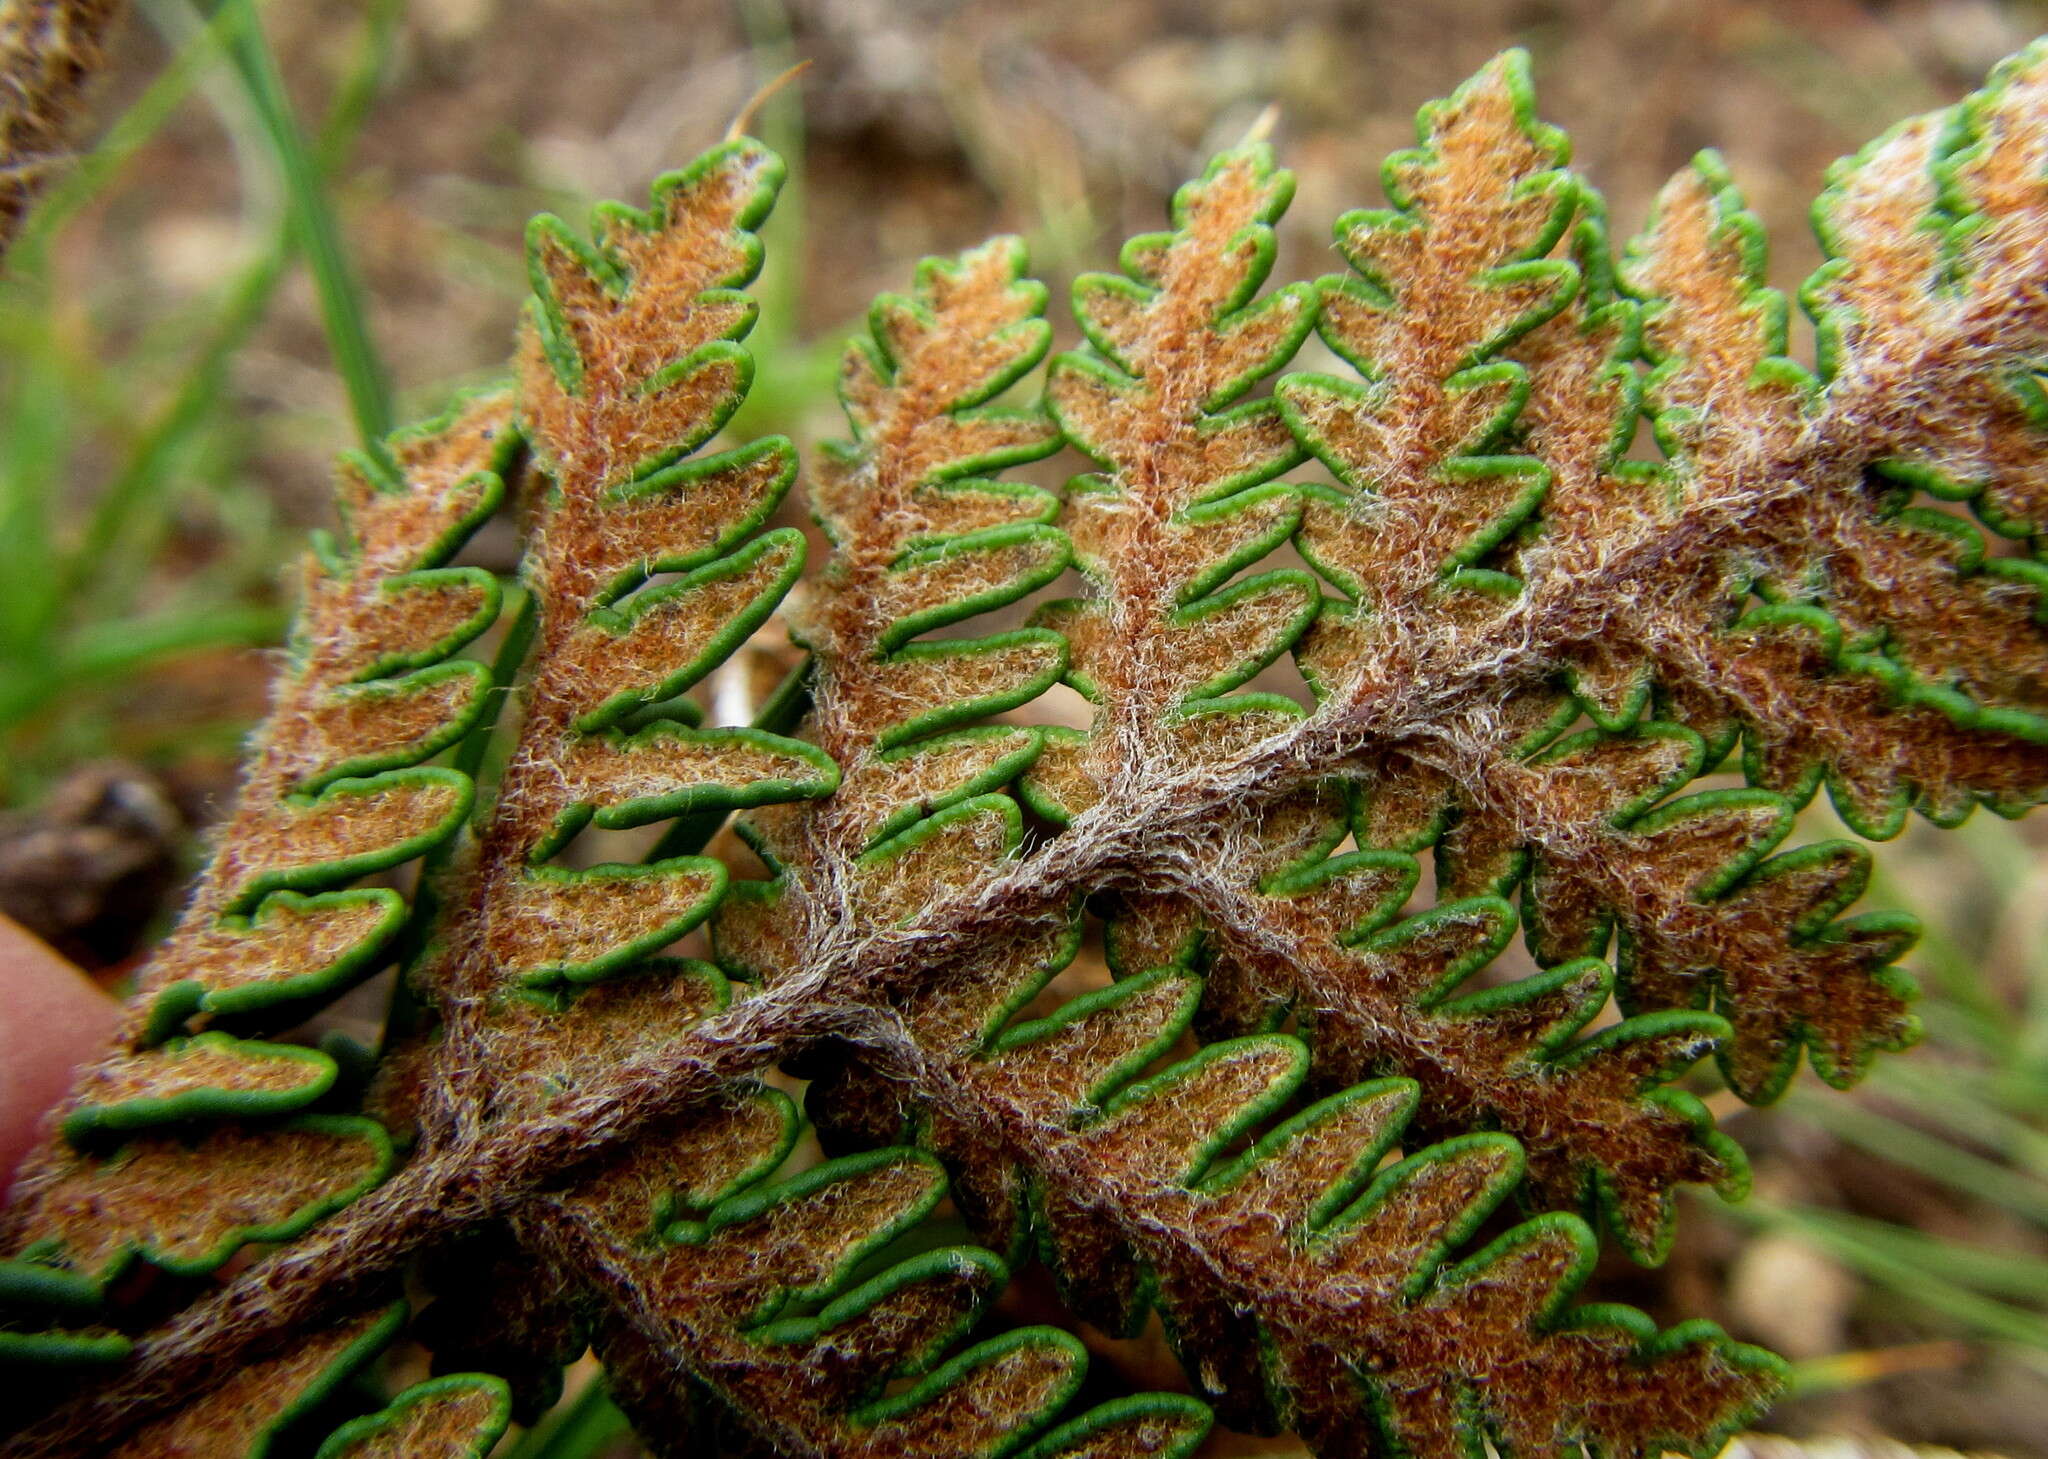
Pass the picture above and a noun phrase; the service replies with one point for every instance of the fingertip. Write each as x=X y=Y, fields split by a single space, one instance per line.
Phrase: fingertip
x=52 y=1019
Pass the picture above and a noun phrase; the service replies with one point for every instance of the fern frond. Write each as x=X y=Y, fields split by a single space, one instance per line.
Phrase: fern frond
x=1380 y=990
x=1301 y=1283
x=1185 y=500
x=1440 y=285
x=245 y=1415
x=1899 y=661
x=461 y=1417
x=924 y=540
x=172 y=1150
x=921 y=541
x=1304 y=1096
x=1277 y=921
x=264 y=1409
x=630 y=362
x=708 y=1261
x=1889 y=656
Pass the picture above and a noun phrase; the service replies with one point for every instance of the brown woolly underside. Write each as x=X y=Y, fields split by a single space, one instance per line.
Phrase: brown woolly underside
x=49 y=51
x=1154 y=1002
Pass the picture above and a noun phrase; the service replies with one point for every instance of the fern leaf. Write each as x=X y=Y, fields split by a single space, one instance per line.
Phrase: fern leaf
x=245 y=1415
x=1889 y=657
x=1923 y=697
x=1291 y=1122
x=1378 y=990
x=186 y=1207
x=1278 y=922
x=1276 y=918
x=1301 y=1284
x=460 y=1417
x=916 y=401
x=713 y=1273
x=1682 y=884
x=715 y=1285
x=924 y=540
x=1959 y=645
x=629 y=363
x=154 y=1162
x=1440 y=285
x=1185 y=499
x=921 y=542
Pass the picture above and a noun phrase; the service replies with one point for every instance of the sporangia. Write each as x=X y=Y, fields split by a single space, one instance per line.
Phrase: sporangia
x=1308 y=1117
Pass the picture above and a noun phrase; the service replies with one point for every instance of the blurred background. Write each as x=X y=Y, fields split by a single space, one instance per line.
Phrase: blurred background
x=179 y=363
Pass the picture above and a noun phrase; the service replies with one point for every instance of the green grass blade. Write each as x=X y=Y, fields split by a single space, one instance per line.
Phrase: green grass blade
x=115 y=648
x=341 y=304
x=1929 y=1155
x=349 y=111
x=1968 y=1102
x=1904 y=1275
x=118 y=648
x=790 y=375
x=2014 y=1276
x=148 y=465
x=33 y=451
x=94 y=560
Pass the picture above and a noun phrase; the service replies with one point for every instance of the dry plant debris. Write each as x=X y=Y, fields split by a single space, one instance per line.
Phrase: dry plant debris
x=49 y=52
x=1354 y=1167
